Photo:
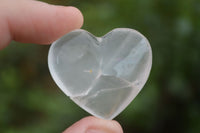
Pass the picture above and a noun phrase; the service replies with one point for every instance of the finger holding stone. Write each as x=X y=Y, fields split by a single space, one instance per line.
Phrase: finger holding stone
x=94 y=125
x=32 y=21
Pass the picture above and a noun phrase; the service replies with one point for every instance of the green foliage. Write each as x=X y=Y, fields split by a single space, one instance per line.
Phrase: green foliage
x=31 y=102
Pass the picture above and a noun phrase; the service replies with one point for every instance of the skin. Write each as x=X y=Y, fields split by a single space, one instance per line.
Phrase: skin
x=30 y=21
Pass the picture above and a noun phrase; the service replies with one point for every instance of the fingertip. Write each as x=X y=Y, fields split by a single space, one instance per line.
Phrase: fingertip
x=117 y=126
x=66 y=19
x=95 y=125
x=78 y=16
x=71 y=13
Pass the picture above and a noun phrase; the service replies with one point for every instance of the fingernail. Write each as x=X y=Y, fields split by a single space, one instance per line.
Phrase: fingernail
x=95 y=131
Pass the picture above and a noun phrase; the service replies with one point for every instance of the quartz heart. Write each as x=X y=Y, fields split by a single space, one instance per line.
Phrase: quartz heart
x=101 y=74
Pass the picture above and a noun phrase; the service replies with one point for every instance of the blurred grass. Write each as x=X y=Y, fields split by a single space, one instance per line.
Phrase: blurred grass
x=170 y=101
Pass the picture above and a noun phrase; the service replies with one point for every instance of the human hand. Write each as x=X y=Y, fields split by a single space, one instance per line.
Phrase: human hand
x=32 y=21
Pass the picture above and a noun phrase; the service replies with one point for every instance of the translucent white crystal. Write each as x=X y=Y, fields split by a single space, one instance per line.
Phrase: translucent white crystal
x=102 y=75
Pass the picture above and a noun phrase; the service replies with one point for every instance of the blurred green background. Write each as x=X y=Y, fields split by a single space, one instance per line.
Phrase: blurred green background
x=31 y=102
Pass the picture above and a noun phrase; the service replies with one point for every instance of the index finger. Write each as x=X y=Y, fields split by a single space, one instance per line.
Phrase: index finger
x=32 y=21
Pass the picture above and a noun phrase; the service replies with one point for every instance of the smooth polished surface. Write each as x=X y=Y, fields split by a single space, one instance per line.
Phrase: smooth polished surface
x=101 y=74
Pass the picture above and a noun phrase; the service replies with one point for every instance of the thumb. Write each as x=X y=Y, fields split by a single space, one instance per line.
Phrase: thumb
x=94 y=125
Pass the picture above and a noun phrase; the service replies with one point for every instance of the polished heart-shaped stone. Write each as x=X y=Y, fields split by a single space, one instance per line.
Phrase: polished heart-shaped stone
x=101 y=74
